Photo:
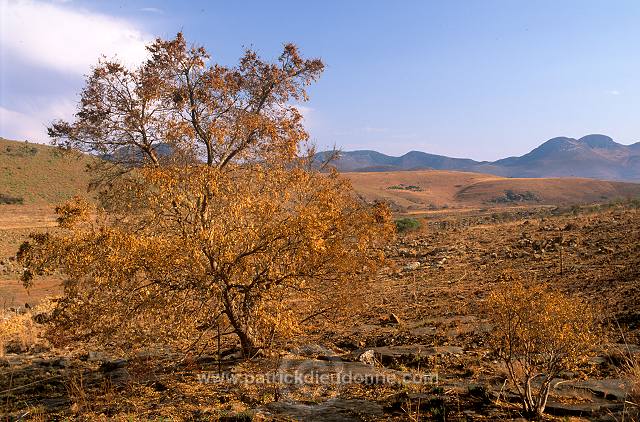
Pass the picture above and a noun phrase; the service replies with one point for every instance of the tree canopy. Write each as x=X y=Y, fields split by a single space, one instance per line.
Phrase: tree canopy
x=210 y=213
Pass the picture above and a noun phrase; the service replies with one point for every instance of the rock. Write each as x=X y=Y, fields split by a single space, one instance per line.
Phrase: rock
x=422 y=402
x=95 y=356
x=412 y=266
x=393 y=319
x=60 y=363
x=597 y=360
x=335 y=410
x=389 y=319
x=312 y=350
x=422 y=331
x=55 y=362
x=408 y=354
x=581 y=409
x=608 y=389
x=116 y=372
x=233 y=356
x=110 y=366
x=368 y=357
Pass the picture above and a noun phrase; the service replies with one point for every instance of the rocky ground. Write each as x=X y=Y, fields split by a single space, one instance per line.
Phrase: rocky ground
x=416 y=351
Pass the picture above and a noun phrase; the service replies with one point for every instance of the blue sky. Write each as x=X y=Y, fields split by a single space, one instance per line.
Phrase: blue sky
x=482 y=79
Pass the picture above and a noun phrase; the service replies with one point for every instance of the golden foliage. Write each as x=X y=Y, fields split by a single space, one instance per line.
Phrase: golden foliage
x=213 y=218
x=73 y=212
x=538 y=333
x=257 y=249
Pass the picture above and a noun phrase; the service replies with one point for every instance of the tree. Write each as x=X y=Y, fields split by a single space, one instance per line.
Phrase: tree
x=538 y=333
x=211 y=215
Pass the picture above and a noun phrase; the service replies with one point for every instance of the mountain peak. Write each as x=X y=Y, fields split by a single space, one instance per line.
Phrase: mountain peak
x=551 y=147
x=598 y=141
x=595 y=156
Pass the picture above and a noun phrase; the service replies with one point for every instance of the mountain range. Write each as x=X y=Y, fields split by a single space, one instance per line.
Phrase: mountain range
x=592 y=156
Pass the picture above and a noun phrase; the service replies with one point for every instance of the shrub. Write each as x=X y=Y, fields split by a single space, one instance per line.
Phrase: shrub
x=511 y=196
x=19 y=328
x=9 y=200
x=538 y=334
x=407 y=224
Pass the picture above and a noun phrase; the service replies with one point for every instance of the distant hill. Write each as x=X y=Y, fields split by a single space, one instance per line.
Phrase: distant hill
x=41 y=174
x=592 y=156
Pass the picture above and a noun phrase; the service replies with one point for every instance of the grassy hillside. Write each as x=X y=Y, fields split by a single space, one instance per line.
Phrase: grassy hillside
x=40 y=174
x=430 y=189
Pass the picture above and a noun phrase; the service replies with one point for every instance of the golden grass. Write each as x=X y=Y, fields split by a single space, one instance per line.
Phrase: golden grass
x=19 y=326
x=455 y=189
x=41 y=174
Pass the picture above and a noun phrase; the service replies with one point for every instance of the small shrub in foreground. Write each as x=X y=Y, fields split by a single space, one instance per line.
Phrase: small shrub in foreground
x=538 y=333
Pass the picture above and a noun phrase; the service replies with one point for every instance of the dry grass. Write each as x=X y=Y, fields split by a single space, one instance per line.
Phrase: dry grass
x=438 y=304
x=453 y=189
x=41 y=174
x=18 y=328
x=633 y=374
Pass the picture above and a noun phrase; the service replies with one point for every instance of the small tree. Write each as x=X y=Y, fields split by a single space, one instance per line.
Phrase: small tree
x=538 y=333
x=211 y=216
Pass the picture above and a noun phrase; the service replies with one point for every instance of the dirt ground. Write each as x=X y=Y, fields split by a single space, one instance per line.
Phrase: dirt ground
x=424 y=316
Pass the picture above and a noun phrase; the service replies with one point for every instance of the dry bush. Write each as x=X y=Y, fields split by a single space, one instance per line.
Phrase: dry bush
x=20 y=328
x=212 y=216
x=538 y=333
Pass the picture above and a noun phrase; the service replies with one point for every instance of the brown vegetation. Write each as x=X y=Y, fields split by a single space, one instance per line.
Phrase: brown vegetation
x=440 y=189
x=538 y=333
x=439 y=325
x=251 y=242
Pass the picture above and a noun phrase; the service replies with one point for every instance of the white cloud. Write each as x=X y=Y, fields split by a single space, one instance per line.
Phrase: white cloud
x=18 y=126
x=67 y=39
x=613 y=92
x=32 y=124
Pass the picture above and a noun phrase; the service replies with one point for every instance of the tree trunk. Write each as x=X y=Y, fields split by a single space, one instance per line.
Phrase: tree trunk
x=247 y=343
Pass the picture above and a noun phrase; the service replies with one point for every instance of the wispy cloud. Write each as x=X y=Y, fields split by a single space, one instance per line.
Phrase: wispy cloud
x=152 y=10
x=362 y=130
x=32 y=124
x=65 y=38
x=304 y=110
x=613 y=92
x=369 y=129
